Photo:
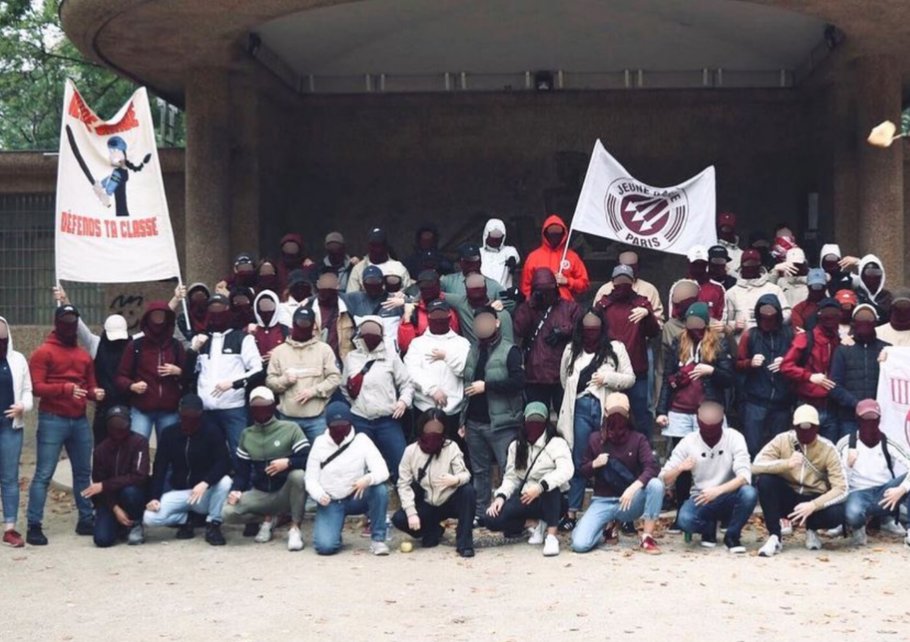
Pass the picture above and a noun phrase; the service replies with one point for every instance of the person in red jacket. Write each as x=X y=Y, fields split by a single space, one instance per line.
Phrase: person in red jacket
x=414 y=322
x=808 y=363
x=63 y=376
x=630 y=320
x=571 y=273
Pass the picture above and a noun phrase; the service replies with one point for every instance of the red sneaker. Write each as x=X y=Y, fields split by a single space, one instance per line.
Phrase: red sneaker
x=14 y=539
x=649 y=546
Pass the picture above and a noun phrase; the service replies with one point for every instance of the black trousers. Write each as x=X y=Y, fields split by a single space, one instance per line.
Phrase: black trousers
x=549 y=507
x=777 y=501
x=460 y=506
x=549 y=394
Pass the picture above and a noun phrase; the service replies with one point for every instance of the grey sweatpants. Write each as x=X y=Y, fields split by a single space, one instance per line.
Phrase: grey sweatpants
x=254 y=504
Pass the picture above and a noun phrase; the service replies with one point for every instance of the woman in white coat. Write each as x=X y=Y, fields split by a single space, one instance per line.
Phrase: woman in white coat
x=16 y=399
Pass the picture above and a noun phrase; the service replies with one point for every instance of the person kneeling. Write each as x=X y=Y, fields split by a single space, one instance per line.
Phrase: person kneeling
x=193 y=460
x=120 y=470
x=538 y=470
x=271 y=455
x=346 y=475
x=434 y=484
x=719 y=461
x=626 y=486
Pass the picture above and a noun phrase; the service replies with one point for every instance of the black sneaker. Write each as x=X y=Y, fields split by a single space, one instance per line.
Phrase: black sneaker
x=35 y=536
x=251 y=530
x=213 y=534
x=709 y=540
x=466 y=552
x=629 y=528
x=185 y=531
x=733 y=544
x=567 y=524
x=85 y=526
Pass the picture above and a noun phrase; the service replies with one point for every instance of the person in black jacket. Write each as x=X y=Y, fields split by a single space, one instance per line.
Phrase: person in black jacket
x=120 y=469
x=768 y=396
x=194 y=460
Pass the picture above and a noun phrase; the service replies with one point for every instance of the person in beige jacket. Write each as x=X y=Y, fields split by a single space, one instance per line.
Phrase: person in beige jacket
x=303 y=374
x=802 y=479
x=639 y=285
x=434 y=485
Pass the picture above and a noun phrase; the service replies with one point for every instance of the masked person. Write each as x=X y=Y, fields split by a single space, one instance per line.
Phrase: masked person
x=726 y=236
x=718 y=460
x=801 y=478
x=683 y=293
x=150 y=372
x=192 y=461
x=377 y=386
x=571 y=273
x=592 y=367
x=426 y=249
x=291 y=257
x=494 y=387
x=337 y=260
x=718 y=259
x=243 y=276
x=897 y=330
x=630 y=320
x=15 y=400
x=378 y=255
x=752 y=285
x=415 y=317
x=871 y=285
x=836 y=268
x=847 y=300
x=469 y=262
x=538 y=471
x=226 y=360
x=197 y=299
x=869 y=457
x=271 y=456
x=767 y=395
x=240 y=300
x=299 y=291
x=476 y=297
x=710 y=291
x=63 y=377
x=374 y=300
x=346 y=475
x=304 y=374
x=816 y=285
x=791 y=275
x=266 y=331
x=498 y=261
x=639 y=285
x=759 y=242
x=434 y=486
x=624 y=471
x=120 y=471
x=336 y=324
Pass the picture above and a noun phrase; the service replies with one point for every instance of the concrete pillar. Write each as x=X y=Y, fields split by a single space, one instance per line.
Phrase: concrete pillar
x=208 y=151
x=881 y=175
x=844 y=187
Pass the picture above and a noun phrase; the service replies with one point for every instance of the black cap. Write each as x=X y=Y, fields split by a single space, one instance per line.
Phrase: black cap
x=428 y=257
x=468 y=251
x=428 y=275
x=65 y=309
x=377 y=235
x=118 y=411
x=304 y=314
x=242 y=258
x=297 y=276
x=828 y=302
x=190 y=401
x=486 y=309
x=219 y=298
x=438 y=304
x=718 y=252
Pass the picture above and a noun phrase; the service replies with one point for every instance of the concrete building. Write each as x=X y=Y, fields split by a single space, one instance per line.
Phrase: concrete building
x=312 y=115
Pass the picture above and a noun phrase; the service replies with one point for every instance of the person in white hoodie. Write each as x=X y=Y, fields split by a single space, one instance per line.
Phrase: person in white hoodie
x=497 y=260
x=837 y=267
x=435 y=361
x=346 y=475
x=16 y=400
x=741 y=298
x=790 y=275
x=870 y=285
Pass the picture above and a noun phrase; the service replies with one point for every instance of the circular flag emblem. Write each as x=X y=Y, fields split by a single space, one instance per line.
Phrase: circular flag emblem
x=643 y=216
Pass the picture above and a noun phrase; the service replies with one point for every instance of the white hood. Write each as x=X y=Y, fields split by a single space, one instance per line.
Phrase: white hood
x=358 y=341
x=863 y=262
x=493 y=224
x=268 y=294
x=9 y=331
x=829 y=248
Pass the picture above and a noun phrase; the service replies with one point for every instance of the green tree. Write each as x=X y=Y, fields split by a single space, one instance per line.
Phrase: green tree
x=36 y=58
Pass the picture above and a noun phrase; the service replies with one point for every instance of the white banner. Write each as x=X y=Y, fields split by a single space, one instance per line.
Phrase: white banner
x=617 y=206
x=894 y=395
x=112 y=222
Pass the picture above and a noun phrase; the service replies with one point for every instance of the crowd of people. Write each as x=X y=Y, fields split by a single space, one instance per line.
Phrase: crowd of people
x=480 y=391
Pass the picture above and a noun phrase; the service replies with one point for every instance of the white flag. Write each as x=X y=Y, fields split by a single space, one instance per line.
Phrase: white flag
x=617 y=206
x=893 y=395
x=112 y=223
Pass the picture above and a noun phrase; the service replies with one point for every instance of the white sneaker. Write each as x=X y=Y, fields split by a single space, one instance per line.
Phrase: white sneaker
x=893 y=527
x=295 y=541
x=907 y=539
x=771 y=548
x=837 y=531
x=537 y=532
x=550 y=546
x=786 y=528
x=859 y=536
x=813 y=543
x=265 y=533
x=379 y=548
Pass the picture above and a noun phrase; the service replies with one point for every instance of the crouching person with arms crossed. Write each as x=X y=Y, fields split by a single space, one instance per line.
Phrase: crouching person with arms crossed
x=271 y=456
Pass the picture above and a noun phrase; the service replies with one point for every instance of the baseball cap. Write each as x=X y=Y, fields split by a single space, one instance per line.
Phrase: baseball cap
x=334 y=237
x=751 y=254
x=243 y=257
x=816 y=276
x=219 y=298
x=428 y=276
x=718 y=252
x=377 y=235
x=65 y=309
x=805 y=414
x=537 y=408
x=828 y=302
x=304 y=314
x=118 y=411
x=438 y=304
x=697 y=253
x=371 y=272
x=261 y=392
x=623 y=270
x=468 y=251
x=616 y=402
x=868 y=406
x=338 y=412
x=846 y=297
x=191 y=401
x=726 y=218
x=115 y=328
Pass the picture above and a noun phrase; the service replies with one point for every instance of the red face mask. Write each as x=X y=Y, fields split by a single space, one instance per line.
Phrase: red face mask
x=438 y=326
x=431 y=442
x=262 y=414
x=616 y=428
x=806 y=436
x=534 y=429
x=710 y=433
x=338 y=432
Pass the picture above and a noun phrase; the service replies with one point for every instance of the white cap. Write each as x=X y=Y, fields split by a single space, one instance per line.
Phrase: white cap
x=115 y=328
x=805 y=414
x=261 y=392
x=697 y=253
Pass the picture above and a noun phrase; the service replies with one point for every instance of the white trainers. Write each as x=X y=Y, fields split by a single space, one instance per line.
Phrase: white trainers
x=379 y=548
x=813 y=543
x=265 y=533
x=295 y=541
x=907 y=539
x=893 y=527
x=550 y=546
x=859 y=536
x=837 y=531
x=771 y=548
x=537 y=532
x=786 y=528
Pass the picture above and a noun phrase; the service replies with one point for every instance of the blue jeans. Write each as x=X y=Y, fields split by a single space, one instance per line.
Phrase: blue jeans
x=388 y=437
x=312 y=427
x=762 y=423
x=54 y=434
x=829 y=426
x=588 y=418
x=863 y=504
x=175 y=505
x=638 y=401
x=142 y=422
x=10 y=451
x=107 y=529
x=330 y=519
x=735 y=508
x=603 y=510
x=231 y=422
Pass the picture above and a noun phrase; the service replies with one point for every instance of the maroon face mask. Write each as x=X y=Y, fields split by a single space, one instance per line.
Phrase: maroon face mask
x=266 y=316
x=267 y=282
x=247 y=278
x=534 y=429
x=300 y=291
x=302 y=334
x=477 y=296
x=373 y=290
x=494 y=241
x=470 y=266
x=262 y=414
x=66 y=332
x=680 y=307
x=377 y=252
x=554 y=239
x=717 y=271
x=622 y=291
x=710 y=433
x=590 y=338
x=438 y=326
x=806 y=436
x=190 y=424
x=371 y=341
x=830 y=265
x=698 y=270
x=430 y=291
x=616 y=428
x=864 y=331
x=869 y=432
x=829 y=322
x=726 y=233
x=696 y=334
x=900 y=317
x=338 y=432
x=118 y=429
x=431 y=442
x=327 y=296
x=768 y=322
x=816 y=294
x=4 y=347
x=218 y=321
x=750 y=271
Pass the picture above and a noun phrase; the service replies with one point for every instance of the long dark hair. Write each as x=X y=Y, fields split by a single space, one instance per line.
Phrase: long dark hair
x=521 y=446
x=604 y=346
x=428 y=415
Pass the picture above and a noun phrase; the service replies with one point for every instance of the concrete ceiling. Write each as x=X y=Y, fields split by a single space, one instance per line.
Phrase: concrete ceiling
x=507 y=36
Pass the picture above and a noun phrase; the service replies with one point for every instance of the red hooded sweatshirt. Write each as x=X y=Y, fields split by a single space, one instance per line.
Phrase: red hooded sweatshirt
x=56 y=370
x=545 y=256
